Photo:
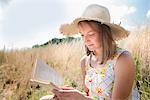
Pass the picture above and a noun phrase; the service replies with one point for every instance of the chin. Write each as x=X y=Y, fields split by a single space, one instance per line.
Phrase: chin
x=91 y=49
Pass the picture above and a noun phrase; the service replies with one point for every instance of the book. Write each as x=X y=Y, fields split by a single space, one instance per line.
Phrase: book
x=45 y=74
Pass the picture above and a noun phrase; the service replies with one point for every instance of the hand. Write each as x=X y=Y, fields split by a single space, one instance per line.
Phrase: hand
x=68 y=94
x=86 y=90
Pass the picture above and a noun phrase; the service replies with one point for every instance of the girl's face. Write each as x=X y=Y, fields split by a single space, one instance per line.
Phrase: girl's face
x=90 y=36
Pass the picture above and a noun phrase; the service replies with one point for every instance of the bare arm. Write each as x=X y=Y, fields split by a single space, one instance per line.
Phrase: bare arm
x=124 y=77
x=83 y=68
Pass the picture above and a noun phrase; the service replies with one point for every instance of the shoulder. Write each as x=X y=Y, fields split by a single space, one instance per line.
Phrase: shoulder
x=125 y=63
x=124 y=58
x=83 y=60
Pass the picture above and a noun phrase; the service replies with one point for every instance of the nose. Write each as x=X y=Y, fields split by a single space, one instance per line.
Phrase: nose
x=86 y=39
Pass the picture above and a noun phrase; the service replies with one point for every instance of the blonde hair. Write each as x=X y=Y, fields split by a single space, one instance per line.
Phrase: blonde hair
x=107 y=42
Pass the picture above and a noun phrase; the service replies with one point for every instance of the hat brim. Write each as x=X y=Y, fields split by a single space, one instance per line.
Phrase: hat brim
x=117 y=31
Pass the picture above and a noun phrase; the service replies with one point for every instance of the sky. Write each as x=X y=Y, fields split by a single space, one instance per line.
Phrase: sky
x=24 y=23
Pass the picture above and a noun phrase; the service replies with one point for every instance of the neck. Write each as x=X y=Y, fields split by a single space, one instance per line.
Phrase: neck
x=98 y=53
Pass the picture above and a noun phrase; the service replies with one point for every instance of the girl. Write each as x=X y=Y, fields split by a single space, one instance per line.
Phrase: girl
x=108 y=71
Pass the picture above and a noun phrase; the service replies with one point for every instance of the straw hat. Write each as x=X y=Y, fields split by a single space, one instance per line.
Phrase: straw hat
x=97 y=13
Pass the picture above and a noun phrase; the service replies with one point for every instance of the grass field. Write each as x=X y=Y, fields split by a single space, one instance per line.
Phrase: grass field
x=16 y=66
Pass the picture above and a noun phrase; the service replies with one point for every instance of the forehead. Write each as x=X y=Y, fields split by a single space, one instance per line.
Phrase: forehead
x=84 y=25
x=87 y=26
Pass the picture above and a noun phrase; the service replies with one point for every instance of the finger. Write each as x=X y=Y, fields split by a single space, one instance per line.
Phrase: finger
x=64 y=93
x=54 y=86
x=67 y=88
x=67 y=93
x=55 y=91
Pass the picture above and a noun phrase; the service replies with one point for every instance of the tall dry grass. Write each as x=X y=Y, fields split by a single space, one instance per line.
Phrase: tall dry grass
x=16 y=66
x=138 y=44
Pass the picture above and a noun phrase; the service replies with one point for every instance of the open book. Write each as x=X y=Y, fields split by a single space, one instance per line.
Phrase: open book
x=45 y=74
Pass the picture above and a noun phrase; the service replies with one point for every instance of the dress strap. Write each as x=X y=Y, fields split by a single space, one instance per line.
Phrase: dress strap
x=119 y=51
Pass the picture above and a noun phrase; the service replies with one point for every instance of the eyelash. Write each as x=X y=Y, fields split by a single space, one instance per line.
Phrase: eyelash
x=89 y=35
x=82 y=35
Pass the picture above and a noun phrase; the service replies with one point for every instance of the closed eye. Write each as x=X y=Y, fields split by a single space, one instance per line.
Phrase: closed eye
x=91 y=33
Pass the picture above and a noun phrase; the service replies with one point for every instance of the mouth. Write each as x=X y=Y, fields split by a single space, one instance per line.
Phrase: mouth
x=90 y=45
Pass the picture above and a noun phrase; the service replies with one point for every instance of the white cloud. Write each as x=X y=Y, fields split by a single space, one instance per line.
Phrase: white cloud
x=45 y=35
x=130 y=27
x=25 y=19
x=1 y=14
x=75 y=8
x=148 y=14
x=1 y=41
x=131 y=9
x=1 y=34
x=42 y=36
x=118 y=13
x=30 y=22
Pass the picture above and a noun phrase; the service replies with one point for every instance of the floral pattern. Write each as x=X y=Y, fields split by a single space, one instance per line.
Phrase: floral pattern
x=100 y=79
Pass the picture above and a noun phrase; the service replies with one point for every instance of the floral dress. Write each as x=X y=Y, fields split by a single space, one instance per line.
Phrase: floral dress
x=100 y=79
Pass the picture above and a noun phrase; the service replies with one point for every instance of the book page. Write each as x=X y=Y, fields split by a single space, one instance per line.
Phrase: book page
x=45 y=74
